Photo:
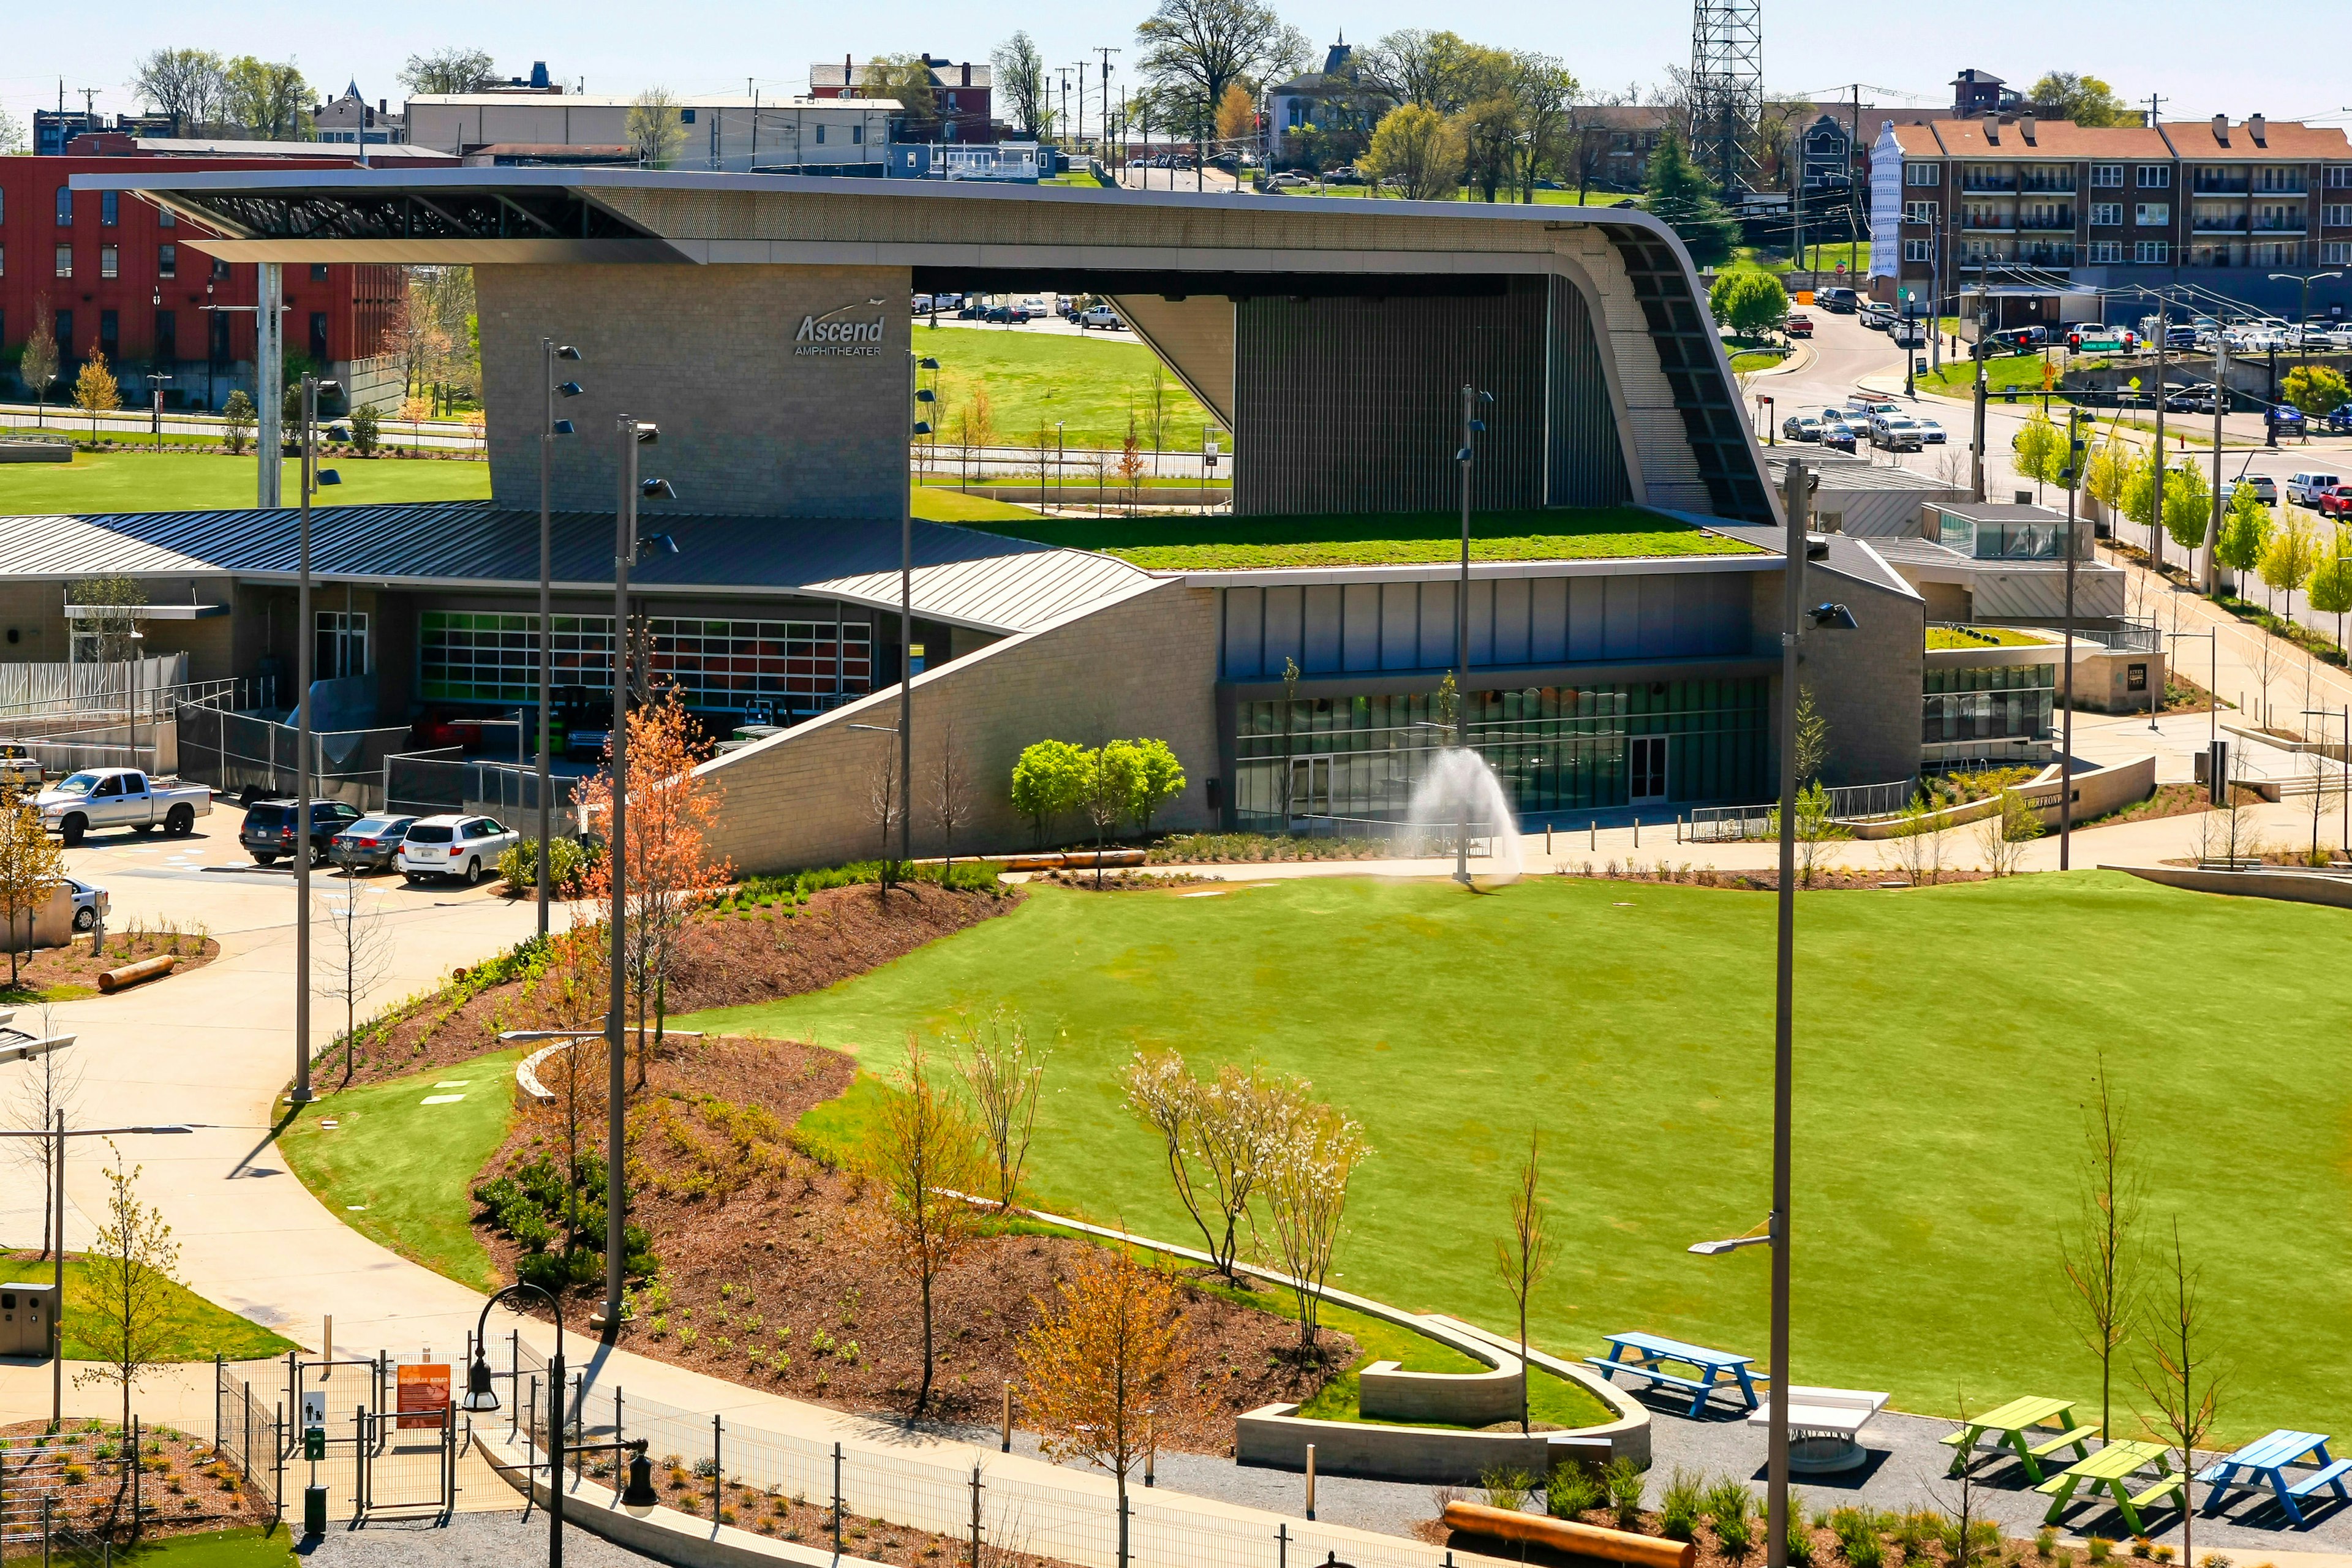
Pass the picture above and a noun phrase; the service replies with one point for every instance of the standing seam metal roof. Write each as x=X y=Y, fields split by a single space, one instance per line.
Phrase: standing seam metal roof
x=961 y=575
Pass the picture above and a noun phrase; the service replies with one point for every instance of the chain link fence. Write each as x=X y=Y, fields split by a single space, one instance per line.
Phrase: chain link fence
x=936 y=1491
x=249 y=1436
x=235 y=752
x=423 y=783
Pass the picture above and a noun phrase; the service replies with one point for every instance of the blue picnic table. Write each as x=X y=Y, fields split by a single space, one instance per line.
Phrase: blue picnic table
x=1650 y=1352
x=2263 y=1463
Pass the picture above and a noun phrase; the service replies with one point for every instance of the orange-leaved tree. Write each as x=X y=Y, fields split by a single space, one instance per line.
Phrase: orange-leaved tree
x=1101 y=1364
x=670 y=870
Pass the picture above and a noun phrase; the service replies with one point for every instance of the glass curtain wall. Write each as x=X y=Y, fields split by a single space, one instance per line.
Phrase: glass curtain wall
x=1556 y=747
x=718 y=666
x=2003 y=702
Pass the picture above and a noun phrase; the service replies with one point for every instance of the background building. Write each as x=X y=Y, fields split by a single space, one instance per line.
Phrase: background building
x=962 y=98
x=803 y=134
x=1324 y=118
x=350 y=119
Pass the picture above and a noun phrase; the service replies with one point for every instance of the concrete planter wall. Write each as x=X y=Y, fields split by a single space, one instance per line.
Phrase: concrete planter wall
x=1275 y=1437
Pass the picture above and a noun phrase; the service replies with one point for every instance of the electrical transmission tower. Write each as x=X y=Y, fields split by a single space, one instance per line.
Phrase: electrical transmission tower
x=1726 y=89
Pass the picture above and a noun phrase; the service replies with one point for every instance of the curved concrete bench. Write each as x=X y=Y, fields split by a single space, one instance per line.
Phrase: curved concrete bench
x=1276 y=1435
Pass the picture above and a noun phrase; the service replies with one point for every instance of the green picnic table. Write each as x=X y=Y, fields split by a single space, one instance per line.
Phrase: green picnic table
x=2014 y=1424
x=2111 y=1470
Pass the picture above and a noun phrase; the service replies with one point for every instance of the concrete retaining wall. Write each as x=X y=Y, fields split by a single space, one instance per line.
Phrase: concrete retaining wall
x=1273 y=1436
x=801 y=798
x=2296 y=887
x=1386 y=1392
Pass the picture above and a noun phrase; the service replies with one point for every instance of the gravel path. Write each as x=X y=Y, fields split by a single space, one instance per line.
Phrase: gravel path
x=463 y=1541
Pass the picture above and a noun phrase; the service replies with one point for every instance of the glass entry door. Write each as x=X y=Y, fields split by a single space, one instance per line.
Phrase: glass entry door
x=1645 y=762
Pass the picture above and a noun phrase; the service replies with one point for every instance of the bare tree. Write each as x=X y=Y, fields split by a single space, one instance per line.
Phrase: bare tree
x=356 y=954
x=922 y=1152
x=453 y=69
x=2178 y=1373
x=950 y=796
x=884 y=807
x=1524 y=1256
x=2099 y=1250
x=186 y=84
x=1004 y=1072
x=1218 y=1138
x=129 y=1313
x=49 y=1086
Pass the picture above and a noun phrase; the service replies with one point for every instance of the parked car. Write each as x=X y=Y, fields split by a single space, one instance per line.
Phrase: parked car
x=20 y=771
x=2340 y=423
x=268 y=830
x=1099 y=316
x=121 y=797
x=2285 y=418
x=1798 y=326
x=372 y=842
x=1909 y=334
x=1895 y=433
x=2190 y=400
x=452 y=845
x=2335 y=501
x=1837 y=301
x=90 y=902
x=1877 y=318
x=1838 y=437
x=2299 y=487
x=1931 y=432
x=1800 y=427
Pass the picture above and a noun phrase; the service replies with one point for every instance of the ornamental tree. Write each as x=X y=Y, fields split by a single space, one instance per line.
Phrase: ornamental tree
x=1048 y=779
x=1750 y=303
x=2316 y=389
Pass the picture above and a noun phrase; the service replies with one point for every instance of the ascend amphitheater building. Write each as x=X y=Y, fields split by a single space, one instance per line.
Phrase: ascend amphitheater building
x=1623 y=638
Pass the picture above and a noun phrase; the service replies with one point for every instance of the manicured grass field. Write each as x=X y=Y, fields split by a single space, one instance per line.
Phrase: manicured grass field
x=1946 y=1039
x=168 y=481
x=1981 y=637
x=407 y=1165
x=1091 y=382
x=194 y=1328
x=249 y=1548
x=1185 y=544
x=933 y=504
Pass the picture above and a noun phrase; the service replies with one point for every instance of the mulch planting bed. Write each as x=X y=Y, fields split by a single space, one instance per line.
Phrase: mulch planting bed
x=64 y=974
x=1917 y=1539
x=725 y=959
x=809 y=1522
x=771 y=1272
x=181 y=1487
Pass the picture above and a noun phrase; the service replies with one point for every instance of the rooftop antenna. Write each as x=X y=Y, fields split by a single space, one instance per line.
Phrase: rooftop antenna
x=1726 y=89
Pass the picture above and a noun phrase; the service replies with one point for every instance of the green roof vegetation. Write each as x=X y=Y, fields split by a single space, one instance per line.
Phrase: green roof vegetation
x=1219 y=543
x=1982 y=637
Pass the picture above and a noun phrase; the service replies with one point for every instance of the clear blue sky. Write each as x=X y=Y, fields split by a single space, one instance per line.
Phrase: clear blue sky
x=2204 y=55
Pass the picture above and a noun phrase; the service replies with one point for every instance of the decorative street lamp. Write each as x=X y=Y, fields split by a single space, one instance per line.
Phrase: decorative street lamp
x=917 y=396
x=482 y=1394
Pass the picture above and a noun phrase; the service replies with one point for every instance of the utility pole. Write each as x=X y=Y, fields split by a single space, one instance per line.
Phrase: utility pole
x=2155 y=532
x=1977 y=440
x=1105 y=51
x=2075 y=447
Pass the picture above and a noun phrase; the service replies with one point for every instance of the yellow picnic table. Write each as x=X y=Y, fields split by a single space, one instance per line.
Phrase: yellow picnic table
x=2111 y=1470
x=2012 y=1424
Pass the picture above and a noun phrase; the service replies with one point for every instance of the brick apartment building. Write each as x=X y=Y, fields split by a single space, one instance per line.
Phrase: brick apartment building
x=119 y=277
x=962 y=96
x=2014 y=200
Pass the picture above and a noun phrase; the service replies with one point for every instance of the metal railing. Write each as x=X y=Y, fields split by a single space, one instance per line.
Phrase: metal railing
x=734 y=1469
x=424 y=783
x=1731 y=824
x=249 y=1436
x=236 y=752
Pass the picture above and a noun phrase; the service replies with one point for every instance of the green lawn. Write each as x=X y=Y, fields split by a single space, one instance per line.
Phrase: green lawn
x=933 y=504
x=251 y=1547
x=1221 y=541
x=1981 y=637
x=149 y=481
x=1946 y=1039
x=1957 y=377
x=1092 y=383
x=401 y=1171
x=193 y=1329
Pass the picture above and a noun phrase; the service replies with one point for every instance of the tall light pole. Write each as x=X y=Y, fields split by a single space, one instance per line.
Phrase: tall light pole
x=916 y=397
x=2075 y=448
x=156 y=380
x=1797 y=619
x=2302 y=311
x=551 y=427
x=1464 y=459
x=634 y=433
x=308 y=477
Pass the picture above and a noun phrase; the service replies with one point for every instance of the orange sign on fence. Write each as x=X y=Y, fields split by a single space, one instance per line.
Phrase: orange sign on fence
x=423 y=1396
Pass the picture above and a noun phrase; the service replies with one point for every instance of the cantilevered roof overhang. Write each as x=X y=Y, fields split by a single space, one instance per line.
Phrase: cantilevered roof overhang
x=1150 y=250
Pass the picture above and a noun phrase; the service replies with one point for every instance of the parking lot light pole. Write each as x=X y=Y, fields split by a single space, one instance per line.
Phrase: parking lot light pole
x=1464 y=459
x=634 y=433
x=551 y=352
x=308 y=477
x=916 y=397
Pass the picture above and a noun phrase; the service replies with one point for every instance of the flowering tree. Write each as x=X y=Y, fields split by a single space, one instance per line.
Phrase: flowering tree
x=1312 y=1152
x=1004 y=1071
x=670 y=868
x=1219 y=1137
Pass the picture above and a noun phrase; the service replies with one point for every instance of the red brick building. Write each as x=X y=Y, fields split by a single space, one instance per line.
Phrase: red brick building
x=962 y=98
x=117 y=277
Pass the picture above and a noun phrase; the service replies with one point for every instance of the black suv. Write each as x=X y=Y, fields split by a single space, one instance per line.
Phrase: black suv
x=268 y=830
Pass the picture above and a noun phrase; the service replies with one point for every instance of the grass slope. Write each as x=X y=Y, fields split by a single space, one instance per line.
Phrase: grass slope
x=149 y=481
x=249 y=1548
x=193 y=1329
x=400 y=1172
x=1091 y=382
x=1945 y=1041
x=1218 y=541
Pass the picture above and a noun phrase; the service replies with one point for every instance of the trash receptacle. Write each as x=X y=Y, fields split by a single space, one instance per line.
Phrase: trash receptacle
x=27 y=1311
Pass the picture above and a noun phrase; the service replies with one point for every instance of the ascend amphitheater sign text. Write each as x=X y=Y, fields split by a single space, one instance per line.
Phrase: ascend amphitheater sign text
x=819 y=336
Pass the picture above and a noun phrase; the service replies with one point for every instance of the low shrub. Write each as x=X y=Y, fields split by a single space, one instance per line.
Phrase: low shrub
x=567 y=864
x=1573 y=1490
x=2099 y=1548
x=1624 y=1480
x=1507 y=1488
x=1680 y=1506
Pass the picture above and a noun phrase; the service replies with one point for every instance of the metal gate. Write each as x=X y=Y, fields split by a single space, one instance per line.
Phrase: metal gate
x=406 y=1463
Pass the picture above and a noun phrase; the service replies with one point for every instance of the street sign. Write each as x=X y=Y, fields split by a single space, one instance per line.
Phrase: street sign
x=314 y=1422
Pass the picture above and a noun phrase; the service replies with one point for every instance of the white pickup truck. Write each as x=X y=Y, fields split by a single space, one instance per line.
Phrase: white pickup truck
x=121 y=797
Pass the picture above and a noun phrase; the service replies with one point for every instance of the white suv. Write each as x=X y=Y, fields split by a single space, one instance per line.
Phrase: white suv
x=2303 y=489
x=461 y=846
